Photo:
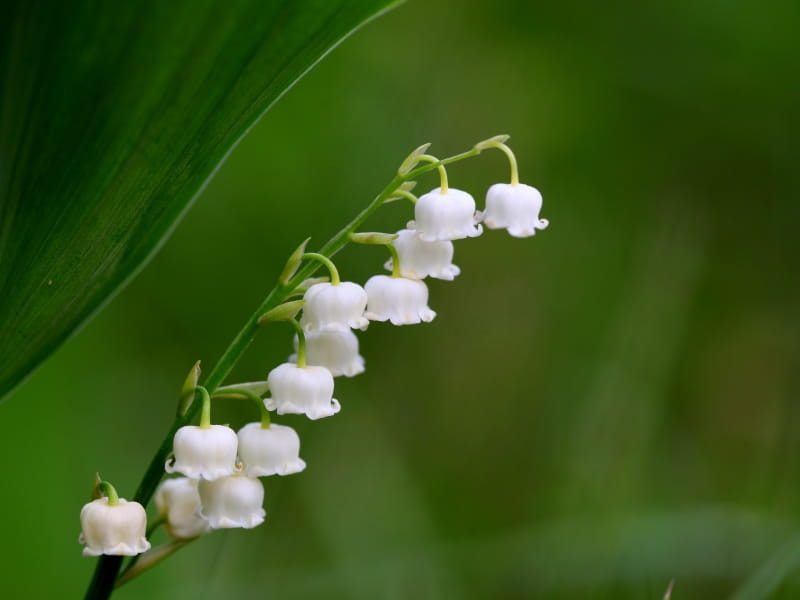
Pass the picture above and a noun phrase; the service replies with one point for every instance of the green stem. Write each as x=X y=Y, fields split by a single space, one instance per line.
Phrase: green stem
x=512 y=160
x=444 y=161
x=110 y=493
x=205 y=411
x=442 y=171
x=301 y=343
x=395 y=260
x=105 y=574
x=234 y=392
x=150 y=559
x=328 y=265
x=406 y=194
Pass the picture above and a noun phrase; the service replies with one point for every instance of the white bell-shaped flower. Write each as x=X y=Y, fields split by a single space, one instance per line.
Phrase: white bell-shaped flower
x=274 y=450
x=515 y=208
x=204 y=452
x=448 y=216
x=113 y=528
x=234 y=501
x=398 y=299
x=302 y=390
x=335 y=349
x=178 y=501
x=420 y=259
x=337 y=305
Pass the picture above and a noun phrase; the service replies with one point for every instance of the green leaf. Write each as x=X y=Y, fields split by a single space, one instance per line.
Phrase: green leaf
x=113 y=117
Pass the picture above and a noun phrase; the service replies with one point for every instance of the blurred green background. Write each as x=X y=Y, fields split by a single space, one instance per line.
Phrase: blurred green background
x=595 y=411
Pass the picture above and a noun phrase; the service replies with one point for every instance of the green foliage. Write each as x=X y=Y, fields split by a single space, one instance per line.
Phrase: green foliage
x=114 y=116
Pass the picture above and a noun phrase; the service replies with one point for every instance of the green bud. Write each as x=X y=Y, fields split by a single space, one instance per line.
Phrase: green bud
x=492 y=142
x=411 y=160
x=307 y=283
x=407 y=186
x=259 y=388
x=97 y=491
x=293 y=263
x=373 y=238
x=188 y=388
x=282 y=312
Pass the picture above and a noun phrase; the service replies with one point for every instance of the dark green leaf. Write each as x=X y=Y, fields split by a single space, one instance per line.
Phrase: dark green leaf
x=114 y=115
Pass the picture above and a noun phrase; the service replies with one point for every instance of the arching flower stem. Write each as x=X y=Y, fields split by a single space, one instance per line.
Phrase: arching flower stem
x=109 y=492
x=234 y=392
x=395 y=260
x=440 y=166
x=328 y=265
x=406 y=194
x=301 y=343
x=512 y=160
x=205 y=411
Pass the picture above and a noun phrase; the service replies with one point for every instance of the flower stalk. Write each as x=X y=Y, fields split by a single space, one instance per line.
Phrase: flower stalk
x=108 y=567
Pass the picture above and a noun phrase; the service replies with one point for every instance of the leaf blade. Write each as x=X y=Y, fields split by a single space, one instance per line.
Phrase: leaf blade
x=110 y=129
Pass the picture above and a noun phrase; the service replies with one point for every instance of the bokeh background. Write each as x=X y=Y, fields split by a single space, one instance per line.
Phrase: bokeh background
x=597 y=410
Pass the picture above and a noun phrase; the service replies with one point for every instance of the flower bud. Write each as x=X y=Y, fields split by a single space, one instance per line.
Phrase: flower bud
x=302 y=390
x=204 y=453
x=334 y=349
x=113 y=528
x=420 y=259
x=234 y=501
x=339 y=305
x=397 y=299
x=448 y=216
x=514 y=208
x=271 y=451
x=179 y=502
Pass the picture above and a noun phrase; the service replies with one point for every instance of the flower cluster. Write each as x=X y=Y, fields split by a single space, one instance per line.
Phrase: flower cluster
x=220 y=487
x=220 y=469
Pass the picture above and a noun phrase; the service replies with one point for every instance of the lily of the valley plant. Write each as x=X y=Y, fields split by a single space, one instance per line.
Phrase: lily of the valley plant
x=217 y=471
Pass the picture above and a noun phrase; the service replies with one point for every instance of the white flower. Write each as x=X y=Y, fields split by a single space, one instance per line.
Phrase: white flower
x=420 y=259
x=302 y=390
x=271 y=451
x=179 y=502
x=233 y=501
x=204 y=453
x=113 y=528
x=341 y=305
x=334 y=349
x=448 y=216
x=397 y=299
x=515 y=208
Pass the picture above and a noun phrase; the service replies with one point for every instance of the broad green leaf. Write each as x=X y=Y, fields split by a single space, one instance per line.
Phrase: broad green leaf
x=113 y=116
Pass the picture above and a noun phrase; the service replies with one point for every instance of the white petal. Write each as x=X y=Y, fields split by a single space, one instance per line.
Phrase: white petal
x=117 y=529
x=234 y=501
x=336 y=349
x=178 y=501
x=420 y=259
x=448 y=216
x=301 y=390
x=328 y=305
x=514 y=208
x=399 y=300
x=270 y=451
x=204 y=453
